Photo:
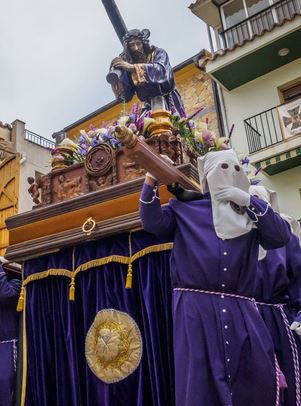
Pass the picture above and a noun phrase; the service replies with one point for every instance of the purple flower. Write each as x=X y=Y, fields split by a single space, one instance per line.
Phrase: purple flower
x=94 y=142
x=208 y=137
x=82 y=151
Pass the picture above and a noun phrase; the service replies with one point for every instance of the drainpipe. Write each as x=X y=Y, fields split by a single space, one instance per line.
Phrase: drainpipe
x=220 y=109
x=224 y=119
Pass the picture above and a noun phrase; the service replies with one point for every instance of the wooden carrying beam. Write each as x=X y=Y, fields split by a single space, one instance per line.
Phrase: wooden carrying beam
x=142 y=154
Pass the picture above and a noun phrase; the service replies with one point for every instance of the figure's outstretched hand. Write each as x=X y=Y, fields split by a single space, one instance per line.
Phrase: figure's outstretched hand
x=115 y=61
x=119 y=63
x=118 y=90
x=233 y=194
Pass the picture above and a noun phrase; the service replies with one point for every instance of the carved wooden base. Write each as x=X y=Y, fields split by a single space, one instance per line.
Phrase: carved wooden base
x=48 y=229
x=103 y=167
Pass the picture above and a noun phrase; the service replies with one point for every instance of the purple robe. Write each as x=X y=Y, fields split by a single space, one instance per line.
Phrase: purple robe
x=154 y=79
x=223 y=352
x=9 y=293
x=279 y=282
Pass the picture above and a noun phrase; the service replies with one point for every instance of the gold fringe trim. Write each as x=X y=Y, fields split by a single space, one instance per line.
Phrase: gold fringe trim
x=45 y=274
x=152 y=248
x=102 y=261
x=97 y=262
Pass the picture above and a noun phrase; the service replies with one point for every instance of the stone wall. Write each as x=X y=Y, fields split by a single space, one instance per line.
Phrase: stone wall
x=195 y=87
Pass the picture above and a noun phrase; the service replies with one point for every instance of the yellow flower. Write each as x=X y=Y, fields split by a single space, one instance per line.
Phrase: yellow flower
x=146 y=122
x=123 y=120
x=198 y=137
x=69 y=144
x=201 y=126
x=220 y=141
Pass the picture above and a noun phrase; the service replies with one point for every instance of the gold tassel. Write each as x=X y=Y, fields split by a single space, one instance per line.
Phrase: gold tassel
x=20 y=304
x=72 y=290
x=129 y=277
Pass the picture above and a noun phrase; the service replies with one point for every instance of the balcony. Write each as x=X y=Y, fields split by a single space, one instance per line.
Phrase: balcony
x=257 y=24
x=37 y=139
x=274 y=137
x=258 y=55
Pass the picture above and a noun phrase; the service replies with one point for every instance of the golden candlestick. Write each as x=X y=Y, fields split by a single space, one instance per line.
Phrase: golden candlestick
x=162 y=123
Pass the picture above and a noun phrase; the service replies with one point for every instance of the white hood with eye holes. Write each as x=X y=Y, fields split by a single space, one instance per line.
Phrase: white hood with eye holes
x=222 y=168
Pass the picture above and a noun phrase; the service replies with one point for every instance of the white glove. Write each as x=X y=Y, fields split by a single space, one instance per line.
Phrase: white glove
x=166 y=159
x=296 y=327
x=3 y=260
x=149 y=175
x=233 y=194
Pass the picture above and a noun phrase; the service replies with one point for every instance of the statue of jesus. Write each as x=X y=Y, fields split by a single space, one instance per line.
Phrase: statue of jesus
x=144 y=70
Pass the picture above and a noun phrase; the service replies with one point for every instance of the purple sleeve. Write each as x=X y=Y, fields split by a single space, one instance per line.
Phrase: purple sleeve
x=274 y=232
x=293 y=255
x=160 y=70
x=9 y=290
x=155 y=219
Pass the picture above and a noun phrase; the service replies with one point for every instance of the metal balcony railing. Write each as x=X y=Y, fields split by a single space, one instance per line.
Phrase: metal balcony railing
x=260 y=22
x=263 y=130
x=37 y=139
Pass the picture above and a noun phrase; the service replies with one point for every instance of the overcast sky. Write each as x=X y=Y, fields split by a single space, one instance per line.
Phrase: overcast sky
x=54 y=54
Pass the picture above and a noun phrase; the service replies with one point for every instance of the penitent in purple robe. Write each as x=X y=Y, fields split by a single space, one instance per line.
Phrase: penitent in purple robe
x=223 y=352
x=151 y=79
x=9 y=293
x=279 y=282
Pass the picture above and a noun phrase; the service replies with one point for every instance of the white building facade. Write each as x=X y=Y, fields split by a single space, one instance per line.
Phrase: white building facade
x=256 y=61
x=23 y=154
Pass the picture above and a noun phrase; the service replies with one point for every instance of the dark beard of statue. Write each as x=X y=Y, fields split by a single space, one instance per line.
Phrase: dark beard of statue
x=138 y=57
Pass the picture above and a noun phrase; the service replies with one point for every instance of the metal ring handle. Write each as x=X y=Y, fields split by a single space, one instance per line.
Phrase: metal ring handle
x=88 y=226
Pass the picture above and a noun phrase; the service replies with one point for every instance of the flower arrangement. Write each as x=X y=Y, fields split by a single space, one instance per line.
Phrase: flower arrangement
x=198 y=136
x=70 y=152
x=195 y=134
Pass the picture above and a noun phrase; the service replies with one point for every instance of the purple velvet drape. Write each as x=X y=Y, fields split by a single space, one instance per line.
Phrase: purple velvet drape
x=57 y=372
x=9 y=293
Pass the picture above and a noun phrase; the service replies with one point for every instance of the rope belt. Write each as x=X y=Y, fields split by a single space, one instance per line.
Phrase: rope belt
x=221 y=294
x=293 y=345
x=15 y=354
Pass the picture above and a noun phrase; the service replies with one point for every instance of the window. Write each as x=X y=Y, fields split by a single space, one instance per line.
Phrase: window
x=255 y=6
x=246 y=18
x=233 y=13
x=291 y=93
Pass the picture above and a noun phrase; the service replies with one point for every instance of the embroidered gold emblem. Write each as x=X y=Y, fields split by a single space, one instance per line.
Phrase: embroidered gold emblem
x=113 y=345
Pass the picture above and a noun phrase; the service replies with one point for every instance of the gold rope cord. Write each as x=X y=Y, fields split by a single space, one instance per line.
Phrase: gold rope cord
x=24 y=349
